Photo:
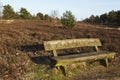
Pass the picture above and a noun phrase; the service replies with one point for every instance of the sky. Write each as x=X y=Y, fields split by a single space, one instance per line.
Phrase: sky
x=80 y=8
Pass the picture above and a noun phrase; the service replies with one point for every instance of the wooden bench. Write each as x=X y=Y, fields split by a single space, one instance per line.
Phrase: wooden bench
x=81 y=57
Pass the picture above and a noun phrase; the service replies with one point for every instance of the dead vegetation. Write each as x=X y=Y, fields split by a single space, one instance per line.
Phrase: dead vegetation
x=6 y=21
x=21 y=41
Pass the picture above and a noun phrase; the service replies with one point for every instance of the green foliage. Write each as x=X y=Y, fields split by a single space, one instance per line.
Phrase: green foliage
x=111 y=18
x=46 y=17
x=104 y=18
x=8 y=12
x=68 y=19
x=24 y=14
x=40 y=16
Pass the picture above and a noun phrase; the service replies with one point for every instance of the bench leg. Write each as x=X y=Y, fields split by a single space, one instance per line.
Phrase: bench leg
x=104 y=62
x=62 y=69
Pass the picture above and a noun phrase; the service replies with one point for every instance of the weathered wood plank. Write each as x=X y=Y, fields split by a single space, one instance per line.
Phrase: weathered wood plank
x=71 y=43
x=106 y=61
x=54 y=52
x=84 y=57
x=96 y=48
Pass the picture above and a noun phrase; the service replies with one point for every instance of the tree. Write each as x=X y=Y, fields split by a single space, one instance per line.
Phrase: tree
x=104 y=18
x=24 y=14
x=92 y=19
x=8 y=12
x=112 y=19
x=112 y=16
x=40 y=16
x=1 y=6
x=46 y=17
x=68 y=19
x=97 y=20
x=118 y=17
x=54 y=14
x=54 y=17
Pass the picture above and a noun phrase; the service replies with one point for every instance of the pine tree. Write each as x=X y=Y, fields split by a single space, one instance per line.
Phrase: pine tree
x=68 y=19
x=8 y=12
x=24 y=14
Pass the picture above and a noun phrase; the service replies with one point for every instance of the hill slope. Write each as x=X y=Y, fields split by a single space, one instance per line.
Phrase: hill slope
x=21 y=42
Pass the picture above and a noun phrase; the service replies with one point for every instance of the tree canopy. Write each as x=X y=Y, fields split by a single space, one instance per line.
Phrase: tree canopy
x=24 y=14
x=40 y=16
x=8 y=12
x=68 y=19
x=110 y=18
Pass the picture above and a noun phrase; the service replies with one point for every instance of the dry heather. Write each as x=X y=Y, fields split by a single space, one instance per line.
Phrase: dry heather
x=6 y=21
x=22 y=56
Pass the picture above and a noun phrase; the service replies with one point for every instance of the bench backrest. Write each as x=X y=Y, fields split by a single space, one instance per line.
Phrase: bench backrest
x=70 y=43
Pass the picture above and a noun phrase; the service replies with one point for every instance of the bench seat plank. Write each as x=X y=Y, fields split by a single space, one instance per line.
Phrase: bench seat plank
x=84 y=57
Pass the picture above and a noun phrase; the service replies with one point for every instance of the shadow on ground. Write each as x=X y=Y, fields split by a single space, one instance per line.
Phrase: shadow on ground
x=32 y=48
x=41 y=60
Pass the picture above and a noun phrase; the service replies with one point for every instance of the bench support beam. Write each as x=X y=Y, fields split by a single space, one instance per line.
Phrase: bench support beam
x=54 y=52
x=106 y=61
x=96 y=48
